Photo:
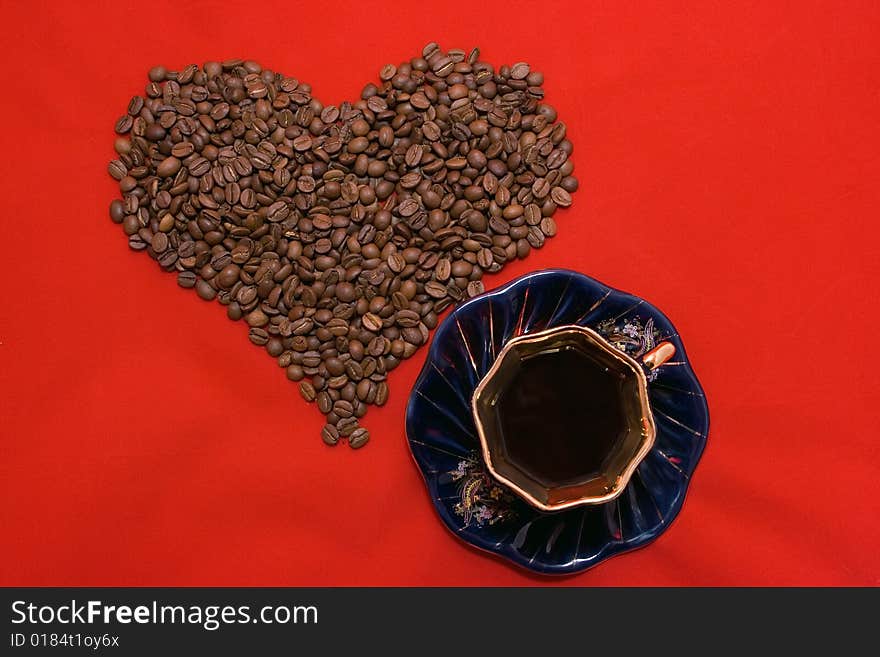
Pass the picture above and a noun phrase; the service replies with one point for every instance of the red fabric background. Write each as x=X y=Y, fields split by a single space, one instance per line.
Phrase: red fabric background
x=728 y=154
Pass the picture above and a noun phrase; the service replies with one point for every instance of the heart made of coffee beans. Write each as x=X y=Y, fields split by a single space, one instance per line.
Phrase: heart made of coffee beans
x=339 y=233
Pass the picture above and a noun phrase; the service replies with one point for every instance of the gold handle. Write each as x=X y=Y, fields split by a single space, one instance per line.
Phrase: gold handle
x=658 y=355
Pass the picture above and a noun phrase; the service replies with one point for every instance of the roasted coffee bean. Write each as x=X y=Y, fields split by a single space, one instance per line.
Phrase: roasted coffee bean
x=135 y=105
x=159 y=242
x=295 y=372
x=258 y=336
x=168 y=167
x=548 y=226
x=396 y=263
x=123 y=125
x=519 y=71
x=353 y=370
x=257 y=318
x=334 y=366
x=204 y=290
x=560 y=197
x=233 y=311
x=435 y=289
x=117 y=170
x=307 y=391
x=275 y=347
x=372 y=322
x=358 y=438
x=340 y=232
x=540 y=188
x=330 y=434
x=186 y=279
x=414 y=155
x=117 y=211
x=325 y=402
x=363 y=389
x=381 y=394
x=343 y=408
x=346 y=425
x=228 y=276
x=182 y=149
x=337 y=382
x=408 y=318
x=137 y=243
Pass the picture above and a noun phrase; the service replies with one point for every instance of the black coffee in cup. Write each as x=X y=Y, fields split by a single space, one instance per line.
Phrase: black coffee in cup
x=563 y=413
x=563 y=416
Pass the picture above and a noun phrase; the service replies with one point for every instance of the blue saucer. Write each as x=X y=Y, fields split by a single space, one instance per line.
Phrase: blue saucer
x=444 y=442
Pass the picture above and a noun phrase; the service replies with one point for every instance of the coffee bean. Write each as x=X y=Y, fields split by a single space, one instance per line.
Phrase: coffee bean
x=381 y=394
x=330 y=114
x=233 y=311
x=307 y=390
x=443 y=66
x=372 y=322
x=182 y=149
x=343 y=408
x=435 y=289
x=353 y=370
x=396 y=263
x=462 y=268
x=117 y=170
x=431 y=131
x=137 y=243
x=519 y=71
x=407 y=318
x=358 y=438
x=363 y=389
x=117 y=211
x=378 y=346
x=157 y=73
x=257 y=318
x=420 y=101
x=340 y=232
x=204 y=290
x=540 y=188
x=135 y=105
x=199 y=166
x=412 y=335
x=345 y=425
x=123 y=125
x=560 y=197
x=168 y=167
x=295 y=372
x=274 y=347
x=475 y=288
x=548 y=226
x=330 y=434
x=258 y=336
x=325 y=402
x=334 y=366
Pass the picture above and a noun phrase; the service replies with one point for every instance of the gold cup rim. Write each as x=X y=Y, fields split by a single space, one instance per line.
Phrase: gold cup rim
x=623 y=476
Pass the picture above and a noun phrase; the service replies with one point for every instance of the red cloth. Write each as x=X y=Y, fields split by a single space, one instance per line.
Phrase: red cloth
x=728 y=158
